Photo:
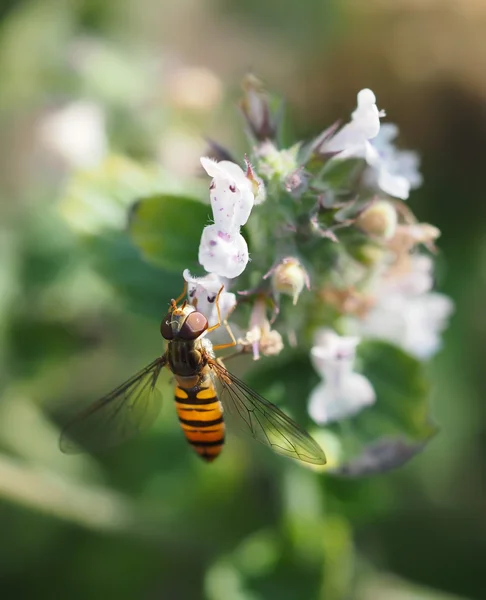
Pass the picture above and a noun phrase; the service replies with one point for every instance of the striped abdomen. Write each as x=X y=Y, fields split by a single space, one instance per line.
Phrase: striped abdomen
x=201 y=416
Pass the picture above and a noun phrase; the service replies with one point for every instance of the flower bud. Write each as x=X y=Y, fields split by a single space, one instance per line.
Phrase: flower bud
x=256 y=110
x=379 y=220
x=289 y=277
x=277 y=164
x=367 y=254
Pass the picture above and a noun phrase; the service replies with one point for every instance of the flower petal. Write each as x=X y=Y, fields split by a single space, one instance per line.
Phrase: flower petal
x=223 y=254
x=231 y=205
x=231 y=194
x=202 y=291
x=206 y=305
x=352 y=139
x=343 y=392
x=394 y=171
x=394 y=185
x=413 y=323
x=225 y=169
x=327 y=404
x=367 y=115
x=329 y=346
x=348 y=139
x=211 y=282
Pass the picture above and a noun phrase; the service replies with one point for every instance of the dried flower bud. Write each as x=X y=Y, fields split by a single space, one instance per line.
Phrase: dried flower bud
x=408 y=236
x=347 y=301
x=257 y=185
x=256 y=110
x=379 y=220
x=289 y=277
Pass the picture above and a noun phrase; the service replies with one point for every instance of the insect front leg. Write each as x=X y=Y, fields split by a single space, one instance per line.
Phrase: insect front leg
x=184 y=292
x=233 y=342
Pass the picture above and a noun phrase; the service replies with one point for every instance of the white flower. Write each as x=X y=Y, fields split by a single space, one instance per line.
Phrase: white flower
x=223 y=250
x=398 y=162
x=418 y=279
x=414 y=324
x=260 y=336
x=232 y=193
x=407 y=313
x=352 y=140
x=391 y=171
x=202 y=292
x=77 y=134
x=222 y=253
x=393 y=185
x=343 y=392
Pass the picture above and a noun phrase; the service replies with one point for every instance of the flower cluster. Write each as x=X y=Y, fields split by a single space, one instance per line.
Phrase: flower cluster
x=405 y=311
x=334 y=223
x=388 y=169
x=223 y=251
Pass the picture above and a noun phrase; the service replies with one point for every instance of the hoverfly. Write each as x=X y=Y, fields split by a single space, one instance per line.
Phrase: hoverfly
x=190 y=357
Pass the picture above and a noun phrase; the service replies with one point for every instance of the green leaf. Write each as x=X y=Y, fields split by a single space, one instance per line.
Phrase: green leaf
x=34 y=342
x=380 y=437
x=97 y=207
x=340 y=174
x=167 y=229
x=401 y=387
x=143 y=287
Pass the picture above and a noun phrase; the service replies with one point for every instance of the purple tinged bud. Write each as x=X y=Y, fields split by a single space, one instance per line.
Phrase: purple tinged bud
x=297 y=183
x=256 y=110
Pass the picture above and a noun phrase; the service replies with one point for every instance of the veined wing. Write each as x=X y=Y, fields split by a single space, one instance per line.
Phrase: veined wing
x=265 y=421
x=125 y=411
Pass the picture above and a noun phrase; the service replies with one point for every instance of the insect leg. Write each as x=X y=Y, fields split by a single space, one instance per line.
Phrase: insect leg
x=231 y=344
x=184 y=292
x=218 y=324
x=225 y=323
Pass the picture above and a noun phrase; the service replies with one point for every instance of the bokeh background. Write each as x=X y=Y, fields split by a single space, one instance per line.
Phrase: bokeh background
x=149 y=521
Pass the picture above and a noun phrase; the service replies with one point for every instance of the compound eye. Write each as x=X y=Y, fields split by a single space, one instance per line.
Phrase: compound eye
x=166 y=328
x=194 y=325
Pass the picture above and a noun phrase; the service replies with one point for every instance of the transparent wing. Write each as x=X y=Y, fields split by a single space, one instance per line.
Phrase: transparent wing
x=265 y=422
x=119 y=415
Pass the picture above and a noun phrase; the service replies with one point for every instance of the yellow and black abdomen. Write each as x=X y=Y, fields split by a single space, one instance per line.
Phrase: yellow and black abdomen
x=201 y=417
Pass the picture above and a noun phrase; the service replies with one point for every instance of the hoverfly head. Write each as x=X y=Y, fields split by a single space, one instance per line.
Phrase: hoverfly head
x=184 y=323
x=193 y=326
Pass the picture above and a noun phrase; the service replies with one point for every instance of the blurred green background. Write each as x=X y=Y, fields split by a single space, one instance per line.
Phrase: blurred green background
x=149 y=520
